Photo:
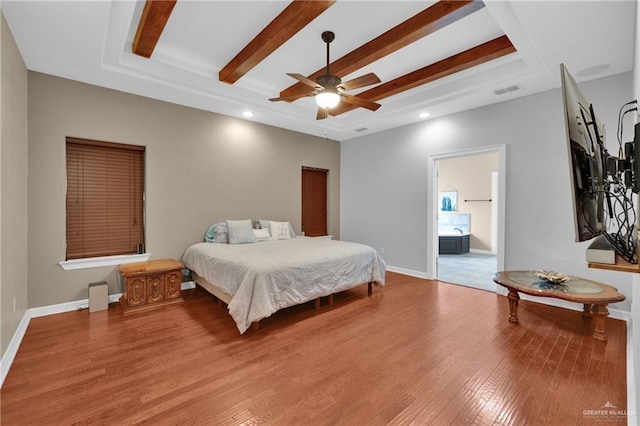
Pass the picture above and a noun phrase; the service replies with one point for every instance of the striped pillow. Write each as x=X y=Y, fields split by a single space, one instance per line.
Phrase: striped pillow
x=240 y=232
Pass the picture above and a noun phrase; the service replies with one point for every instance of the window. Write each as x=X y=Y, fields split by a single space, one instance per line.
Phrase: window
x=105 y=199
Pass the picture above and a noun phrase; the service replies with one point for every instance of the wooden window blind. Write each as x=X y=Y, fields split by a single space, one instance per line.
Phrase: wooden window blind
x=105 y=198
x=314 y=201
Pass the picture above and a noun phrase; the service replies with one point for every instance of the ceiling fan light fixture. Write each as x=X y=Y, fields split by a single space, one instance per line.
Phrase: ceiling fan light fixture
x=327 y=99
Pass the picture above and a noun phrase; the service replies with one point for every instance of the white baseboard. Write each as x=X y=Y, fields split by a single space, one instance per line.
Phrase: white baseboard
x=613 y=313
x=84 y=303
x=10 y=354
x=14 y=344
x=478 y=251
x=411 y=273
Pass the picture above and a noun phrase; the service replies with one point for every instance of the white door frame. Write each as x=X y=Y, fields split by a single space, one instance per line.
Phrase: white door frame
x=433 y=208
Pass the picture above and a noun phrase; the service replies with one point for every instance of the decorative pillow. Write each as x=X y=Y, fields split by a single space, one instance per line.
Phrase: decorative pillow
x=221 y=234
x=266 y=224
x=240 y=232
x=262 y=234
x=280 y=230
x=208 y=237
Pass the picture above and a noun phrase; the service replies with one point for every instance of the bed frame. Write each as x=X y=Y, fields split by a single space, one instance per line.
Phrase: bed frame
x=225 y=298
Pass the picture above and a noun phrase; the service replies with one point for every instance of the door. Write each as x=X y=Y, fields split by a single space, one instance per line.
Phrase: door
x=314 y=201
x=473 y=174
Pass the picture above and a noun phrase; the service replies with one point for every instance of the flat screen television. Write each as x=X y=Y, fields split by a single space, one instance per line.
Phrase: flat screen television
x=586 y=160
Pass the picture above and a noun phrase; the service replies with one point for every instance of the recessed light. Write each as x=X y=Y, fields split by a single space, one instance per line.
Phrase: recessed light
x=247 y=114
x=423 y=115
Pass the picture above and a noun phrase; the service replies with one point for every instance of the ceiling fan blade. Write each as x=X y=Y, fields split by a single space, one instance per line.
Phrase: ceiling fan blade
x=354 y=100
x=302 y=79
x=322 y=114
x=362 y=81
x=292 y=97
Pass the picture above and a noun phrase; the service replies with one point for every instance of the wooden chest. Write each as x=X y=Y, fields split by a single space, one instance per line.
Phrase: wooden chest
x=150 y=285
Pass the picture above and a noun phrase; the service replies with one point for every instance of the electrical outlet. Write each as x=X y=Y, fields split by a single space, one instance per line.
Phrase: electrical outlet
x=15 y=306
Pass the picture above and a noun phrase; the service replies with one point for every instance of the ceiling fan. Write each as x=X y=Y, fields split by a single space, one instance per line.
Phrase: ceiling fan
x=329 y=89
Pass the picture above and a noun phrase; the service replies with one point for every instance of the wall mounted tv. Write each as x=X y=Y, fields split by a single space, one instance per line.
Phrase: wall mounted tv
x=601 y=184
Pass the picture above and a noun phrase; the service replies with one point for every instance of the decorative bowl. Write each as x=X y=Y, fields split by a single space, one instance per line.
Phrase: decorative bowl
x=553 y=277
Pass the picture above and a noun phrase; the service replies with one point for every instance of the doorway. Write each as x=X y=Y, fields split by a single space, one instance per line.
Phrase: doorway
x=476 y=178
x=314 y=201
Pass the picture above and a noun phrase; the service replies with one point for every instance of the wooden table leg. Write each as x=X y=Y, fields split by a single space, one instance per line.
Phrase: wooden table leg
x=601 y=314
x=317 y=303
x=370 y=289
x=513 y=305
x=587 y=312
x=331 y=299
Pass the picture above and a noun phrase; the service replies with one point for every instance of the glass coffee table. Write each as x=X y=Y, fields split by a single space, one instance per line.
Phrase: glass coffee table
x=593 y=295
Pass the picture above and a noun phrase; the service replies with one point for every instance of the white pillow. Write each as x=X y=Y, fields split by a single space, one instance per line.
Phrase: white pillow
x=262 y=234
x=240 y=232
x=266 y=224
x=280 y=230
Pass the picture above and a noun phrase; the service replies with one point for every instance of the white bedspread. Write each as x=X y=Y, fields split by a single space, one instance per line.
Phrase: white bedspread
x=267 y=276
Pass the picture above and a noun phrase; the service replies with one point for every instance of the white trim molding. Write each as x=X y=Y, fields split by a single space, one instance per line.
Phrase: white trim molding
x=479 y=251
x=12 y=350
x=574 y=306
x=410 y=272
x=97 y=262
x=433 y=204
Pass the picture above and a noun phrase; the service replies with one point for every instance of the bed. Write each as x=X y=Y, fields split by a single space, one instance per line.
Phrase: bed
x=258 y=279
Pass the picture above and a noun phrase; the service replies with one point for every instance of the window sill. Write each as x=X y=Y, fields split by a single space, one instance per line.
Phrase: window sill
x=97 y=262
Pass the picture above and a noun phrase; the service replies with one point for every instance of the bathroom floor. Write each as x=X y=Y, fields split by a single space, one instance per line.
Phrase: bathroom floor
x=468 y=269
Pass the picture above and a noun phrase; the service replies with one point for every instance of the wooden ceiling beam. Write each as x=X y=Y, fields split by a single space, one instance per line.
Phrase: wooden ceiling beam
x=152 y=22
x=292 y=19
x=430 y=20
x=477 y=55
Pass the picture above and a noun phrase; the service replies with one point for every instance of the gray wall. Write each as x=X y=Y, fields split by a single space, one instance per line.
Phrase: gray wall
x=384 y=181
x=200 y=168
x=13 y=183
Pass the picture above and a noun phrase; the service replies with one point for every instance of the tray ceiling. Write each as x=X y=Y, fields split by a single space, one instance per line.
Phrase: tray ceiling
x=441 y=69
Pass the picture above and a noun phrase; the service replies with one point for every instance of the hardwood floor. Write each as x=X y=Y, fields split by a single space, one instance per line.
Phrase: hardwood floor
x=416 y=352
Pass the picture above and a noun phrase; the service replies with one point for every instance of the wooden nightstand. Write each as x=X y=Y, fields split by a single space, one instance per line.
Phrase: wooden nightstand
x=151 y=285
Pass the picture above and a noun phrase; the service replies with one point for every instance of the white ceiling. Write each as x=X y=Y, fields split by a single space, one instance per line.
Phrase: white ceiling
x=90 y=41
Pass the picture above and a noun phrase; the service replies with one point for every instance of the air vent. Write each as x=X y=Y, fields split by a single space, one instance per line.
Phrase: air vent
x=507 y=90
x=361 y=129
